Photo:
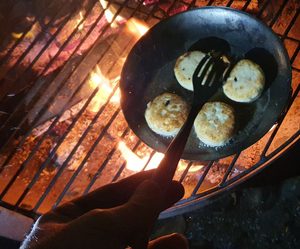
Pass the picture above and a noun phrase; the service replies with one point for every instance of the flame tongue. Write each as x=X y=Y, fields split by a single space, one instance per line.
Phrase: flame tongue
x=137 y=27
x=79 y=19
x=135 y=163
x=97 y=79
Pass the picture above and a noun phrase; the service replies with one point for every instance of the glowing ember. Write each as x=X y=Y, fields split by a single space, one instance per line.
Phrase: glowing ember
x=137 y=27
x=97 y=80
x=80 y=27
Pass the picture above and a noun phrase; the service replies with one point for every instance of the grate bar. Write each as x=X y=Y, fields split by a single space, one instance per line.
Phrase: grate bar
x=41 y=140
x=263 y=8
x=246 y=5
x=149 y=159
x=229 y=169
x=23 y=211
x=296 y=69
x=103 y=165
x=274 y=132
x=185 y=172
x=295 y=54
x=277 y=15
x=229 y=3
x=207 y=168
x=292 y=138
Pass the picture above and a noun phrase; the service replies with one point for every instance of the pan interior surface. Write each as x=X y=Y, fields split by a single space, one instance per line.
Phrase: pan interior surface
x=148 y=72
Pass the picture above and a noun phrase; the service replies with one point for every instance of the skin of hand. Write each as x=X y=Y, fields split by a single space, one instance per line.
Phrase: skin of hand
x=114 y=216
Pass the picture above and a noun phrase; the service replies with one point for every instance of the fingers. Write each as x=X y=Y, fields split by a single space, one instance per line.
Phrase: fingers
x=139 y=214
x=131 y=222
x=108 y=196
x=171 y=241
x=116 y=194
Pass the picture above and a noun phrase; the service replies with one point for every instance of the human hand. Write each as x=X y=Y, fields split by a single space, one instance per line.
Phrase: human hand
x=115 y=216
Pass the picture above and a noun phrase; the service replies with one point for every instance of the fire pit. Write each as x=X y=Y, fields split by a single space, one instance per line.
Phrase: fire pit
x=62 y=131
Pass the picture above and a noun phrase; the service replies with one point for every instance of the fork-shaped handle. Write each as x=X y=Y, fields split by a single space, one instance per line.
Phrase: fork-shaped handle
x=167 y=167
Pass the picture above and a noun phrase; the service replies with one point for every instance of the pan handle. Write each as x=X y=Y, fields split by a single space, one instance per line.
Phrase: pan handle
x=167 y=167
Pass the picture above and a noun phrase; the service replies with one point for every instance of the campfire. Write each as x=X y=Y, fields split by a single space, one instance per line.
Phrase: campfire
x=63 y=131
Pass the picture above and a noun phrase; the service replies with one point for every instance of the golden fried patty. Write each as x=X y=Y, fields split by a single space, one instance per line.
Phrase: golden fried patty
x=214 y=124
x=185 y=67
x=245 y=82
x=166 y=114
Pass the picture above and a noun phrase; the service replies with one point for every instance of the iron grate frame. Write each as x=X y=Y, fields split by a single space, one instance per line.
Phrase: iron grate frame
x=196 y=199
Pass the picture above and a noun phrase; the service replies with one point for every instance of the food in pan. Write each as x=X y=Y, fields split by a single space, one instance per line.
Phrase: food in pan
x=185 y=67
x=214 y=124
x=166 y=114
x=245 y=82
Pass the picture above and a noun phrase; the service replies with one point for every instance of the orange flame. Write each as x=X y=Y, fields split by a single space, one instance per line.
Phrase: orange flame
x=134 y=163
x=80 y=27
x=97 y=79
x=137 y=27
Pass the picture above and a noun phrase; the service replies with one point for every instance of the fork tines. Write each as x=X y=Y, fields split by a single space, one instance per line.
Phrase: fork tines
x=208 y=70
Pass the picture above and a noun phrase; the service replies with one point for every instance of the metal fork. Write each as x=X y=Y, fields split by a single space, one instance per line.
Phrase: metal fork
x=202 y=81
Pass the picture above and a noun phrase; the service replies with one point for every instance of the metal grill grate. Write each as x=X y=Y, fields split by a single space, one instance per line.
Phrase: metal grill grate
x=50 y=155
